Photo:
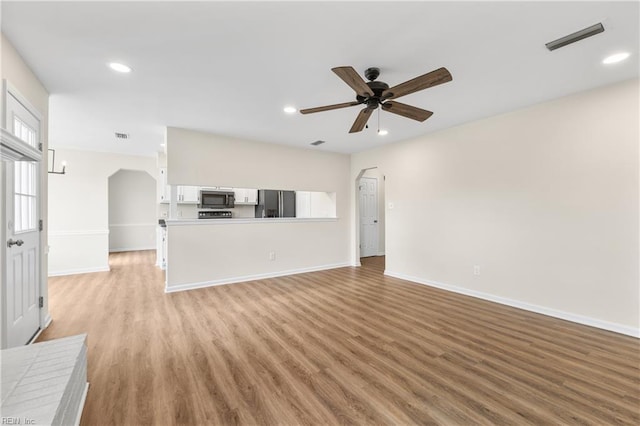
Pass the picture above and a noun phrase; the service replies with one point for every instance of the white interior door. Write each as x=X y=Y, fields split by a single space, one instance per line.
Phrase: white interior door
x=21 y=222
x=368 y=188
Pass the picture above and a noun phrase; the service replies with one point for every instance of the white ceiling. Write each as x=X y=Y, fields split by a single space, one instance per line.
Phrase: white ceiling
x=230 y=67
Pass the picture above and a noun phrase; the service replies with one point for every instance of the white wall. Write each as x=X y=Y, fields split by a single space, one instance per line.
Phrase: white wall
x=197 y=158
x=79 y=209
x=226 y=252
x=545 y=200
x=17 y=73
x=132 y=211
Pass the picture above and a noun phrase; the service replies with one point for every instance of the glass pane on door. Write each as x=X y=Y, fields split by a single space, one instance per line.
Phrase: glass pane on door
x=24 y=131
x=25 y=196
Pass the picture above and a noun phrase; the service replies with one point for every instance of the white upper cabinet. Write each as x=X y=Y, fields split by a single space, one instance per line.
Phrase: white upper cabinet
x=246 y=196
x=188 y=194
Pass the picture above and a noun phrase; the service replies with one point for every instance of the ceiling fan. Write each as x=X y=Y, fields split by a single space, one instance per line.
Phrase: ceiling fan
x=376 y=93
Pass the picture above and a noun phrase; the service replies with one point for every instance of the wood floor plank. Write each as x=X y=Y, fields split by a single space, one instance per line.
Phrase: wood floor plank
x=343 y=346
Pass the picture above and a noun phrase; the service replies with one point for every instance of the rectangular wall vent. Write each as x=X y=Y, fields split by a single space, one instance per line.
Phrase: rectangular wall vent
x=577 y=36
x=122 y=135
x=316 y=143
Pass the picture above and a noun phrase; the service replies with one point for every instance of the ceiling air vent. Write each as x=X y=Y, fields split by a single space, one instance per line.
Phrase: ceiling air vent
x=577 y=36
x=122 y=135
x=316 y=143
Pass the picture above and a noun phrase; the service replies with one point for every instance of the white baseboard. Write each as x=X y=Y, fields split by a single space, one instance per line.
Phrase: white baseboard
x=380 y=253
x=120 y=250
x=78 y=271
x=47 y=322
x=580 y=319
x=35 y=336
x=193 y=286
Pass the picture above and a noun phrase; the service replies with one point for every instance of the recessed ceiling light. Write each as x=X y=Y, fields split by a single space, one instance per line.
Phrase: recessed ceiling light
x=383 y=132
x=289 y=109
x=119 y=67
x=615 y=58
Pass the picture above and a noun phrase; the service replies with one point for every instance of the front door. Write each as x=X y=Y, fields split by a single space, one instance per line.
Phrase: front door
x=368 y=194
x=21 y=222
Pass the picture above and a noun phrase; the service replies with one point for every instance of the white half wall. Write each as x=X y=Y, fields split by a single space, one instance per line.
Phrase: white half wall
x=79 y=208
x=213 y=253
x=132 y=211
x=544 y=200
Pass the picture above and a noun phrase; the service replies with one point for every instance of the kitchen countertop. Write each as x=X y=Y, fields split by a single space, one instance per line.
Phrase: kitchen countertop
x=239 y=220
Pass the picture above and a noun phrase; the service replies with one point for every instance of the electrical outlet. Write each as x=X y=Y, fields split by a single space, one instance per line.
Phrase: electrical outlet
x=272 y=255
x=390 y=206
x=476 y=269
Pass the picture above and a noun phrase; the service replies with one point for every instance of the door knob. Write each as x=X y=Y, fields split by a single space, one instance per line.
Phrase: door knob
x=11 y=242
x=375 y=221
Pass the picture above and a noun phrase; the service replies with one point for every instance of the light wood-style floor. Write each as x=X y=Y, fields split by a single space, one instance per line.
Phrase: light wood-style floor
x=342 y=346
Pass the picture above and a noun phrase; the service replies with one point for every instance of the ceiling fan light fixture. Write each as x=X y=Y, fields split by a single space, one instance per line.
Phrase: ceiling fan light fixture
x=615 y=58
x=383 y=132
x=290 y=110
x=117 y=66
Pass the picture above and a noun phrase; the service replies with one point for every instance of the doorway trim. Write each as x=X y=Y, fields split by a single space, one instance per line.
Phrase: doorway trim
x=14 y=149
x=369 y=221
x=110 y=225
x=356 y=200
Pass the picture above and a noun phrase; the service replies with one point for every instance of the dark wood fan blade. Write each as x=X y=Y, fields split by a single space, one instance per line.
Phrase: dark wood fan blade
x=353 y=79
x=361 y=120
x=425 y=81
x=328 y=107
x=405 y=110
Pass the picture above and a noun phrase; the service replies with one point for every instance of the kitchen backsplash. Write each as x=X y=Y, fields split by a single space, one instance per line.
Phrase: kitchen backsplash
x=188 y=211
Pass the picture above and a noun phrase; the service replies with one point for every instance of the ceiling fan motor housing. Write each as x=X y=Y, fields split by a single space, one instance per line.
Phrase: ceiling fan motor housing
x=377 y=87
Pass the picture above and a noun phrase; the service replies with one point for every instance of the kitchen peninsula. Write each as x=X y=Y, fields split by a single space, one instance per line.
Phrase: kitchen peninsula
x=214 y=251
x=203 y=253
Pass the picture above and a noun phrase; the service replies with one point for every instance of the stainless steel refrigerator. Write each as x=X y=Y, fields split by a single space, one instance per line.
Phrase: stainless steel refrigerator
x=275 y=203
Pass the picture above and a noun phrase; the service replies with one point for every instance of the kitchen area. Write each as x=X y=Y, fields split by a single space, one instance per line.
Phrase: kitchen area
x=236 y=210
x=196 y=221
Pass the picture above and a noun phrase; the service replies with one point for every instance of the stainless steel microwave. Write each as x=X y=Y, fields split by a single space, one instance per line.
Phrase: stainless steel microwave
x=216 y=200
